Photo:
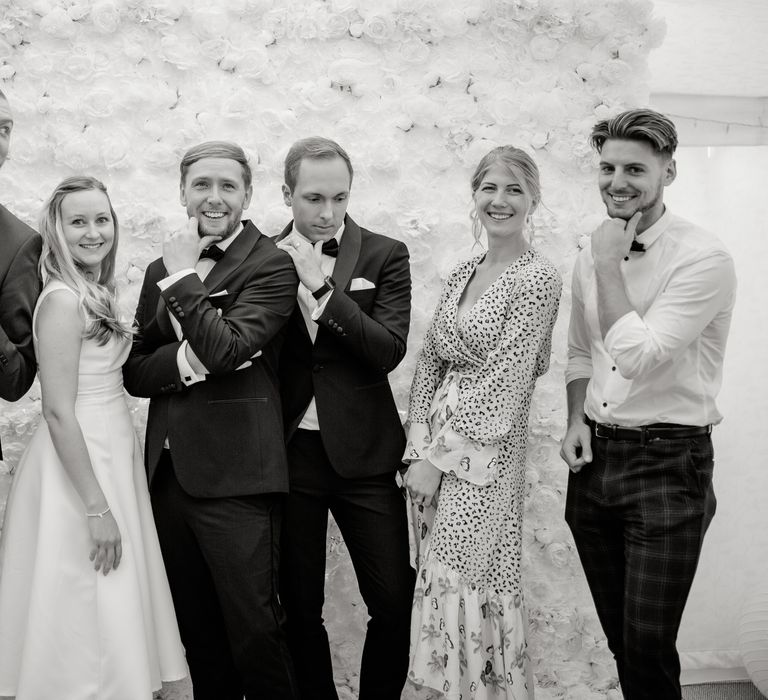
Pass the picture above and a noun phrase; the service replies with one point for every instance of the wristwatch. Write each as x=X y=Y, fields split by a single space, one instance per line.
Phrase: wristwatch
x=329 y=284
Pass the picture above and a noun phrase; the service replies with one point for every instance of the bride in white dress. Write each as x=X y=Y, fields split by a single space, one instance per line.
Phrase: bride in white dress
x=85 y=609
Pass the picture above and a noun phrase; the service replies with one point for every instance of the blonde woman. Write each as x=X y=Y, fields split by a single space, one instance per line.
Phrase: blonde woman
x=489 y=340
x=85 y=609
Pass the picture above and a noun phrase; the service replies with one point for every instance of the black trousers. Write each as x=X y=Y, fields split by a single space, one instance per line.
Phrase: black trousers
x=638 y=514
x=221 y=556
x=370 y=513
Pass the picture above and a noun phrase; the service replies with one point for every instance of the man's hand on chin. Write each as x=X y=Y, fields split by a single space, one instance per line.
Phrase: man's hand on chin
x=306 y=259
x=612 y=239
x=182 y=248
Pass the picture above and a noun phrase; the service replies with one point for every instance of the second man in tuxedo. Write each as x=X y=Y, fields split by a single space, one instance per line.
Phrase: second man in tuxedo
x=343 y=432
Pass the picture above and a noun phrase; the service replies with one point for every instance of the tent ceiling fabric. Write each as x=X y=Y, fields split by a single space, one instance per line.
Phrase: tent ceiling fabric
x=712 y=47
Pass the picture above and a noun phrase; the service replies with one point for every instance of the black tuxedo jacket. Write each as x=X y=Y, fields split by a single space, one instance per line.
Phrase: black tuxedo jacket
x=19 y=289
x=225 y=433
x=361 y=337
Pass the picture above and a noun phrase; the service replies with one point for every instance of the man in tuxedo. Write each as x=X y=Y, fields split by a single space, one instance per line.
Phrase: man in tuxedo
x=209 y=325
x=344 y=436
x=652 y=302
x=19 y=288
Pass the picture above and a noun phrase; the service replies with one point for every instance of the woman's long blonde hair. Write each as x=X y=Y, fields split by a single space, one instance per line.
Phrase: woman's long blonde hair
x=97 y=297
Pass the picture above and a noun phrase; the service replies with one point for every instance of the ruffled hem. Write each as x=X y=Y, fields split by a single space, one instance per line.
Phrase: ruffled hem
x=467 y=642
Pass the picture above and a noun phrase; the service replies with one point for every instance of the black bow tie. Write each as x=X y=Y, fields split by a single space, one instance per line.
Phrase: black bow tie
x=637 y=246
x=331 y=247
x=213 y=252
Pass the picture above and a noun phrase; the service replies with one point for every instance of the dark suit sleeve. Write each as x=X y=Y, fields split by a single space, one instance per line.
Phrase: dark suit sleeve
x=151 y=368
x=379 y=338
x=18 y=295
x=263 y=306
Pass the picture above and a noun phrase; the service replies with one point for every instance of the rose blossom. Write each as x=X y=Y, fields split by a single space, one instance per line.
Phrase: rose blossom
x=105 y=16
x=558 y=554
x=378 y=28
x=543 y=48
x=183 y=53
x=59 y=24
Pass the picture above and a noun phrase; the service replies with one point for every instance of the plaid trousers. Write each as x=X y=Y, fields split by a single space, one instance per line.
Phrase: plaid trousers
x=638 y=514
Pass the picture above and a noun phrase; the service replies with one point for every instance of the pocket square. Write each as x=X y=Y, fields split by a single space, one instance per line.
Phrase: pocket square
x=360 y=283
x=222 y=293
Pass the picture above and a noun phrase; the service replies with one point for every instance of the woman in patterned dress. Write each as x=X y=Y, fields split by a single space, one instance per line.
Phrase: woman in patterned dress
x=490 y=338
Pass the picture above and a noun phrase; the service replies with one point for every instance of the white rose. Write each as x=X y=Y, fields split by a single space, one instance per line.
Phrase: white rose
x=421 y=109
x=211 y=20
x=594 y=22
x=214 y=49
x=7 y=71
x=241 y=104
x=165 y=11
x=59 y=24
x=160 y=155
x=77 y=11
x=335 y=26
x=183 y=53
x=343 y=5
x=76 y=152
x=543 y=48
x=116 y=151
x=253 y=62
x=545 y=501
x=319 y=97
x=105 y=16
x=558 y=554
x=414 y=51
x=379 y=28
x=616 y=71
x=276 y=122
x=98 y=103
x=452 y=23
x=79 y=65
x=457 y=109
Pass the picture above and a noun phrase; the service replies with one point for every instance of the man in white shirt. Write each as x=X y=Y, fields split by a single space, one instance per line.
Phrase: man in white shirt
x=651 y=307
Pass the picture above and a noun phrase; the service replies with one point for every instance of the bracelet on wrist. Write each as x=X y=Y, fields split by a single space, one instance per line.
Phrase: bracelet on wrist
x=98 y=515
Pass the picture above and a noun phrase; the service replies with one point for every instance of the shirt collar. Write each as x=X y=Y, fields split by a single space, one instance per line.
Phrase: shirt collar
x=652 y=233
x=223 y=245
x=337 y=235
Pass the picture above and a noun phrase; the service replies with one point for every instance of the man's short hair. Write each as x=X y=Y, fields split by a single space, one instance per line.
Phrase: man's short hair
x=216 y=149
x=312 y=147
x=637 y=125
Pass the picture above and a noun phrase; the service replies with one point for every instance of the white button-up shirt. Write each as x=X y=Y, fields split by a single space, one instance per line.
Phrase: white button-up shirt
x=311 y=310
x=662 y=362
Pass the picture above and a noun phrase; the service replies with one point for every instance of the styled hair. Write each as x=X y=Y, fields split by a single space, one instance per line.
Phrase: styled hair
x=637 y=125
x=97 y=297
x=216 y=149
x=312 y=147
x=520 y=165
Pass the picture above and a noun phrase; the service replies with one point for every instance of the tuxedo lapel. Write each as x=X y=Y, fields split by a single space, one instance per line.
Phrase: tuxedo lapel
x=349 y=252
x=234 y=256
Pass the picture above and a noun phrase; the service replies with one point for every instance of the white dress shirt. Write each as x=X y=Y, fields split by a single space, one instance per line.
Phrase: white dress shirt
x=311 y=310
x=202 y=268
x=662 y=362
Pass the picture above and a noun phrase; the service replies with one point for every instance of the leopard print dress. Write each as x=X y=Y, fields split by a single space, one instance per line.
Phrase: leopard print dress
x=468 y=414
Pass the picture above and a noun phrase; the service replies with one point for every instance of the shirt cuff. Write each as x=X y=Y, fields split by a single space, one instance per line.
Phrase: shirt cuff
x=188 y=375
x=175 y=277
x=318 y=312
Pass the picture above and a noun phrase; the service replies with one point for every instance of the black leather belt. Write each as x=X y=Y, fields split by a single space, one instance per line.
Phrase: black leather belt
x=644 y=433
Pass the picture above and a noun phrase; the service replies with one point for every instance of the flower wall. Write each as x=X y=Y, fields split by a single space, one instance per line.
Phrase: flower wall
x=417 y=91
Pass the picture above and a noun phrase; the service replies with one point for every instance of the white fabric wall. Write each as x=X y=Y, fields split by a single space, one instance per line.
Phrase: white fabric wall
x=723 y=189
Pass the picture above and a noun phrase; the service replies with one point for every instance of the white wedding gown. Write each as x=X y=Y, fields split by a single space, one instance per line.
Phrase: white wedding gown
x=66 y=631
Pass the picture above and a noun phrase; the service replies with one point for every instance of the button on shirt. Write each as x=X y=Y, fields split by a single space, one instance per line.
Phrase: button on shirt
x=311 y=310
x=661 y=363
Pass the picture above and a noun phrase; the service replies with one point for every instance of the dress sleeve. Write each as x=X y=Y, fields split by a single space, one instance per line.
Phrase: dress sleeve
x=495 y=399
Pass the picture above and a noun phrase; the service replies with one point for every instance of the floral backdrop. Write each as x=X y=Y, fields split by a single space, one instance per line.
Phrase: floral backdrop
x=417 y=91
